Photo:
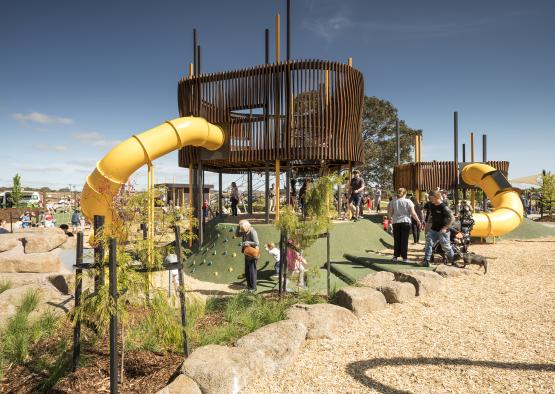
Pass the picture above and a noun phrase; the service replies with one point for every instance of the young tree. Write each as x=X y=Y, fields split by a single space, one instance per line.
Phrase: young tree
x=547 y=191
x=380 y=145
x=16 y=190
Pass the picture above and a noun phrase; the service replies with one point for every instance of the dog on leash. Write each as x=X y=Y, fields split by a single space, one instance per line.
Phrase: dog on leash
x=473 y=258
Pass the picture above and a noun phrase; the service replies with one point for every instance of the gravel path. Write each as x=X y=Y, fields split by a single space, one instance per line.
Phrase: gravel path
x=481 y=334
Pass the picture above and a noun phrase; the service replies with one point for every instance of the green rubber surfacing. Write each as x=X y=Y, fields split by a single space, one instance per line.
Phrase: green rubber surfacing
x=220 y=259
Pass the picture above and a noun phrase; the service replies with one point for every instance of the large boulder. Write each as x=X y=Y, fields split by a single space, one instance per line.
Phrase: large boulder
x=15 y=260
x=376 y=280
x=70 y=243
x=396 y=292
x=43 y=242
x=64 y=283
x=8 y=241
x=425 y=282
x=221 y=369
x=49 y=299
x=361 y=300
x=321 y=320
x=181 y=385
x=279 y=343
x=448 y=271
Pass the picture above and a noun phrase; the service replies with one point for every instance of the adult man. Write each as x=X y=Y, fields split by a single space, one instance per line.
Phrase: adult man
x=357 y=187
x=437 y=228
x=377 y=198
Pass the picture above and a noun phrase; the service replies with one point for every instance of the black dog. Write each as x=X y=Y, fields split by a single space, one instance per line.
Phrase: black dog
x=473 y=258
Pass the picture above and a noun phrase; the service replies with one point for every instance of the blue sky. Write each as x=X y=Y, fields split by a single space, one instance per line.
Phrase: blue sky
x=78 y=76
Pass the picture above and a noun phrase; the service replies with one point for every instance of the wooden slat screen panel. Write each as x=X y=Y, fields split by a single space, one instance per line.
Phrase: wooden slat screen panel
x=431 y=175
x=252 y=103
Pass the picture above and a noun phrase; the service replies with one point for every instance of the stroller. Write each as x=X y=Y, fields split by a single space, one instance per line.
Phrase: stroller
x=459 y=236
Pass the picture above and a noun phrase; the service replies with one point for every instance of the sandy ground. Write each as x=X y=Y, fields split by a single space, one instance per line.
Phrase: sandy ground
x=491 y=333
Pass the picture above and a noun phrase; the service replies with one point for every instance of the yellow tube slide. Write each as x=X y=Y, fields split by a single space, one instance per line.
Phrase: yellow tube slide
x=508 y=212
x=114 y=169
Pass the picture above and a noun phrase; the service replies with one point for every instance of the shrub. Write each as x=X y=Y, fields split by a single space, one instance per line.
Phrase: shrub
x=20 y=333
x=5 y=285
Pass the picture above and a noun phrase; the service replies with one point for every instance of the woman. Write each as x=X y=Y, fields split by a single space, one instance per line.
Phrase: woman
x=250 y=238
x=415 y=227
x=401 y=210
x=234 y=198
x=272 y=198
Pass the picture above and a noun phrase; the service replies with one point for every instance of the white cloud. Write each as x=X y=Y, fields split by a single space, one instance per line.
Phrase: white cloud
x=94 y=138
x=37 y=117
x=327 y=28
x=51 y=148
x=40 y=169
x=83 y=163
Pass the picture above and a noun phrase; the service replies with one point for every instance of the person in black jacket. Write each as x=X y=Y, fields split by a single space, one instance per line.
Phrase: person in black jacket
x=437 y=228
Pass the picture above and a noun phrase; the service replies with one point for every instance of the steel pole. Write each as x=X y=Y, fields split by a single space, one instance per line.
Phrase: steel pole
x=456 y=158
x=485 y=159
x=180 y=289
x=78 y=291
x=98 y=224
x=398 y=137
x=112 y=271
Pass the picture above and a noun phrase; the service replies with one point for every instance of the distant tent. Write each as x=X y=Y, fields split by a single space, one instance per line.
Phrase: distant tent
x=531 y=180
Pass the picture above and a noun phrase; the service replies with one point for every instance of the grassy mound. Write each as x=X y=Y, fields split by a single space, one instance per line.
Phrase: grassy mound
x=530 y=229
x=220 y=259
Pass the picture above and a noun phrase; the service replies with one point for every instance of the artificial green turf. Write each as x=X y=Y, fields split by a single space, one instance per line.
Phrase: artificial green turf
x=530 y=229
x=216 y=256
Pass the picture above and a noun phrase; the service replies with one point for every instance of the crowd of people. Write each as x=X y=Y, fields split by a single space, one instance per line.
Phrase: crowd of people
x=47 y=219
x=405 y=216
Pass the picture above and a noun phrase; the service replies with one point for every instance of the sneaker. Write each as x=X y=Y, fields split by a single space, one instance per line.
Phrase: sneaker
x=394 y=260
x=424 y=263
x=406 y=261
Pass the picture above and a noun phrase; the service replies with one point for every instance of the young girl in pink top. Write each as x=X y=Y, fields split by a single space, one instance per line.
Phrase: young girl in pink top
x=295 y=262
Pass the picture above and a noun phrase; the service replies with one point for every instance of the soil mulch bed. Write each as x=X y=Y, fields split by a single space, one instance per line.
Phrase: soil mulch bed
x=144 y=372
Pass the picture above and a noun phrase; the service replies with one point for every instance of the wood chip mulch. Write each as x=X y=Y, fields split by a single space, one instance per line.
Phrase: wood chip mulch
x=491 y=333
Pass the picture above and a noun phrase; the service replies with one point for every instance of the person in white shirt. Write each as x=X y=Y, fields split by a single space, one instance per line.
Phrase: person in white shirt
x=275 y=253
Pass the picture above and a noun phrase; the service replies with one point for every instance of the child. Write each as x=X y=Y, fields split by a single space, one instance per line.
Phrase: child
x=385 y=223
x=296 y=262
x=205 y=209
x=274 y=252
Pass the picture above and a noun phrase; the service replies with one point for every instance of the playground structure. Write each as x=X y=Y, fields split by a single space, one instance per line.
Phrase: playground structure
x=490 y=176
x=301 y=114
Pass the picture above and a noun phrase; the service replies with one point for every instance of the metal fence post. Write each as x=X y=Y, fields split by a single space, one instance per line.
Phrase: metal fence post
x=181 y=292
x=78 y=290
x=98 y=223
x=328 y=263
x=112 y=271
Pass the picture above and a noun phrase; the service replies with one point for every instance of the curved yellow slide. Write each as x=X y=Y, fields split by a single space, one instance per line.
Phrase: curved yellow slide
x=104 y=183
x=508 y=212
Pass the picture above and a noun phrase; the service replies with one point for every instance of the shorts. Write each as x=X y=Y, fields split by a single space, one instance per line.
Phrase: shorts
x=355 y=199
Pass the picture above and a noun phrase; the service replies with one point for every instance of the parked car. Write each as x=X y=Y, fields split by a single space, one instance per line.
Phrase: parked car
x=28 y=200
